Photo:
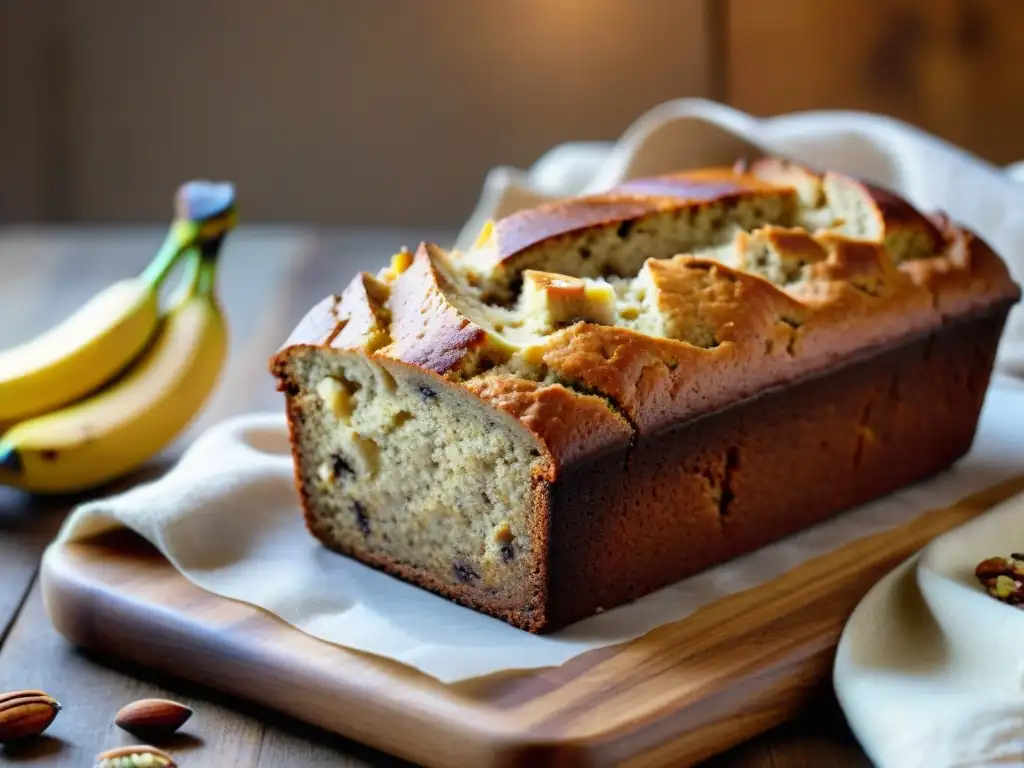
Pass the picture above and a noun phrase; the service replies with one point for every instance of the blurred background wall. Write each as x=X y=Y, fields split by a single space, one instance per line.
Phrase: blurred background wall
x=391 y=111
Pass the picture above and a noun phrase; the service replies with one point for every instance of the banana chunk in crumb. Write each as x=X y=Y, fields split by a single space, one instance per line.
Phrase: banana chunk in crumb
x=337 y=397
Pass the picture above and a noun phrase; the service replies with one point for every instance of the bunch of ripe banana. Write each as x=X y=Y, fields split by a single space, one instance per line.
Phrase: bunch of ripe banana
x=110 y=386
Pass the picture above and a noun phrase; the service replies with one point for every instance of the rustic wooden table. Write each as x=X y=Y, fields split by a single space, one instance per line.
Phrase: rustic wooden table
x=268 y=278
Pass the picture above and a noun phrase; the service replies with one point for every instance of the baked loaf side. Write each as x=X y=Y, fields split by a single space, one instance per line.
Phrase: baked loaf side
x=440 y=409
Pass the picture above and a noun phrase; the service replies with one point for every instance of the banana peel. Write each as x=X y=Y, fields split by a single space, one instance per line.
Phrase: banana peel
x=107 y=431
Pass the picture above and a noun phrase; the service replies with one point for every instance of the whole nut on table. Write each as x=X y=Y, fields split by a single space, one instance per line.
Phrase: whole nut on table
x=25 y=714
x=153 y=718
x=135 y=756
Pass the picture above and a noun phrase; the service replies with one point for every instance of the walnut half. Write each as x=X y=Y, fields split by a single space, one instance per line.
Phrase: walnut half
x=1003 y=578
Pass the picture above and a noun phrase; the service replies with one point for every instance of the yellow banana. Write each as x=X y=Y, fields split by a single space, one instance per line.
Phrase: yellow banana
x=96 y=343
x=119 y=428
x=80 y=354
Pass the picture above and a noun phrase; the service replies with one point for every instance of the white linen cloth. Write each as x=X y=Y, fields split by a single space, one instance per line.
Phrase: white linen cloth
x=227 y=516
x=930 y=669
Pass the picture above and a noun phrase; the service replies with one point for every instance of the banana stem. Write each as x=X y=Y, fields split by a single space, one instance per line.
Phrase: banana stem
x=205 y=283
x=204 y=213
x=179 y=238
x=206 y=278
x=198 y=277
x=190 y=273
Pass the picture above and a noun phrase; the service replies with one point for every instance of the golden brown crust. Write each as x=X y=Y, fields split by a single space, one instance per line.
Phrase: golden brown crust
x=653 y=381
x=778 y=171
x=905 y=230
x=734 y=306
x=364 y=320
x=720 y=487
x=318 y=325
x=357 y=319
x=896 y=213
x=656 y=381
x=969 y=276
x=701 y=186
x=427 y=329
x=514 y=236
x=572 y=426
x=725 y=333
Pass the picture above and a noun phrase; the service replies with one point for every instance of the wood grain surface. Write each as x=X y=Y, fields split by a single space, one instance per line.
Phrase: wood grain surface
x=88 y=89
x=677 y=695
x=269 y=278
x=949 y=66
x=368 y=111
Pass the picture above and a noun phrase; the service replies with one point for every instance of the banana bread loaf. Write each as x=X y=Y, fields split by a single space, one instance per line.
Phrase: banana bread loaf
x=609 y=393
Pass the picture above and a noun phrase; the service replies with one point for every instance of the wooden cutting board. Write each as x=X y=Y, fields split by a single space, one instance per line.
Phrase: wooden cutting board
x=673 y=697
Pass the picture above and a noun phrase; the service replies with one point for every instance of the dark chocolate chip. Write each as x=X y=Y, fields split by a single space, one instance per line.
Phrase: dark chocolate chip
x=624 y=229
x=341 y=467
x=361 y=519
x=427 y=393
x=508 y=553
x=463 y=573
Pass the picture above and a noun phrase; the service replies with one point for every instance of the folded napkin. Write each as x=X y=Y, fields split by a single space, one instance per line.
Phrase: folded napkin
x=226 y=516
x=930 y=669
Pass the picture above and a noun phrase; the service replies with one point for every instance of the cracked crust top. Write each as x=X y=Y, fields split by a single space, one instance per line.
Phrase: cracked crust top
x=596 y=319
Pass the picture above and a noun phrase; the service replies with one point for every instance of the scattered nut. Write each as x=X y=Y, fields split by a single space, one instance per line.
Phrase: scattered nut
x=1003 y=578
x=25 y=714
x=153 y=718
x=135 y=756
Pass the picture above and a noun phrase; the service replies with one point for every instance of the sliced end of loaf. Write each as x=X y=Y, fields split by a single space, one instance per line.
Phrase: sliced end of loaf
x=401 y=470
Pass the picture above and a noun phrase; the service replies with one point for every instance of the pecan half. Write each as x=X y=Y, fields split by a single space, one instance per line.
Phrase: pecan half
x=1003 y=578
